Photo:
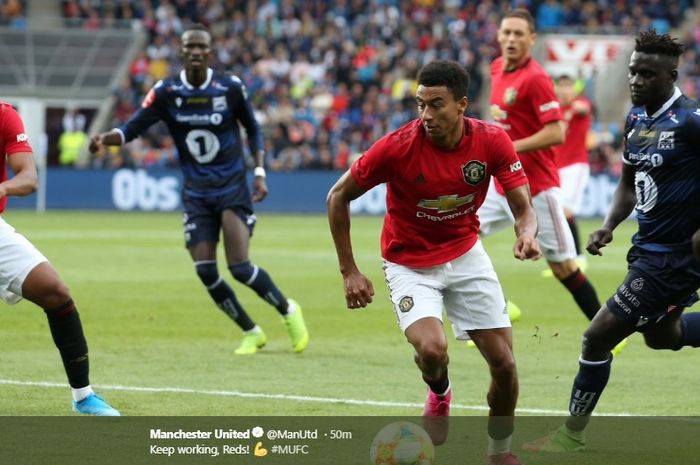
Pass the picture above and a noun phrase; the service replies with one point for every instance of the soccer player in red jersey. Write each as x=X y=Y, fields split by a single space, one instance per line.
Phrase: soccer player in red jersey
x=26 y=273
x=572 y=156
x=524 y=104
x=437 y=170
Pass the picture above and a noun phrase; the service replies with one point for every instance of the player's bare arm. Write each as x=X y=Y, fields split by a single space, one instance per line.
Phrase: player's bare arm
x=97 y=141
x=553 y=133
x=358 y=289
x=25 y=181
x=526 y=246
x=623 y=203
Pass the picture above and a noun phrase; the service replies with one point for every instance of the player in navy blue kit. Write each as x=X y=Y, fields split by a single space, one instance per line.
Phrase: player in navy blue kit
x=203 y=110
x=661 y=181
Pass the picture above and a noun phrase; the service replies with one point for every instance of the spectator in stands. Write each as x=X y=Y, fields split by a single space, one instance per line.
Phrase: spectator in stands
x=319 y=50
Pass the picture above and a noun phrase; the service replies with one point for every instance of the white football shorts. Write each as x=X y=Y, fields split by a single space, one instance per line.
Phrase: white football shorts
x=467 y=287
x=554 y=235
x=574 y=179
x=17 y=258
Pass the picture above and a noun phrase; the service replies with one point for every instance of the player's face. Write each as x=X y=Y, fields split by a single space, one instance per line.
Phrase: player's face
x=565 y=90
x=651 y=79
x=195 y=49
x=515 y=39
x=439 y=111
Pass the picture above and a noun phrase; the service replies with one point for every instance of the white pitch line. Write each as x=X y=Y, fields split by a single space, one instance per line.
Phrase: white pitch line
x=326 y=400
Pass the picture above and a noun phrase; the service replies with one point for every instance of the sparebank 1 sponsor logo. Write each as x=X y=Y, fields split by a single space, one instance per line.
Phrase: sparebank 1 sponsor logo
x=136 y=190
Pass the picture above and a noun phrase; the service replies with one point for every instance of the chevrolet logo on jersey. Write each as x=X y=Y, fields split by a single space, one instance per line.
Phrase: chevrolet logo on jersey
x=446 y=203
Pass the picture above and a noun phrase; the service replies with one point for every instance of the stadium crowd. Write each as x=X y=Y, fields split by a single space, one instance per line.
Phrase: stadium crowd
x=329 y=77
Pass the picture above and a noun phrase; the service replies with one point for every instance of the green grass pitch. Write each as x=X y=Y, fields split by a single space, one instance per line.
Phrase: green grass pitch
x=159 y=346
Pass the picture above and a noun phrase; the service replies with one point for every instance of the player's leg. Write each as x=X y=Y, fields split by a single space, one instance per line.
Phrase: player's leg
x=476 y=308
x=673 y=280
x=25 y=272
x=201 y=238
x=558 y=248
x=496 y=346
x=574 y=179
x=607 y=330
x=416 y=295
x=237 y=228
x=427 y=336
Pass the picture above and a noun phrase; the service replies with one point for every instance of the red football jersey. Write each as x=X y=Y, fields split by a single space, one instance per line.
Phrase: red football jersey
x=573 y=150
x=13 y=140
x=522 y=102
x=433 y=194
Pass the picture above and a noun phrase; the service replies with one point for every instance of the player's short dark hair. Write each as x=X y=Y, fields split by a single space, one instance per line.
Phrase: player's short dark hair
x=445 y=73
x=521 y=13
x=564 y=77
x=196 y=27
x=658 y=44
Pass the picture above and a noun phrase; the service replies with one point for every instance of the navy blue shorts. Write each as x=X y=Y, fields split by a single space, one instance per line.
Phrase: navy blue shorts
x=202 y=219
x=656 y=284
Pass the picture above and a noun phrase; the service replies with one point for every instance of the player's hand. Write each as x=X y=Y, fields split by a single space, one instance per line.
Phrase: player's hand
x=3 y=191
x=527 y=248
x=95 y=143
x=259 y=189
x=358 y=290
x=696 y=245
x=599 y=239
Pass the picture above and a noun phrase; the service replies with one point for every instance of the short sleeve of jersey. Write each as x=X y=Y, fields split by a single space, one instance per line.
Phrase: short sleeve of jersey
x=543 y=100
x=375 y=165
x=15 y=137
x=626 y=134
x=146 y=116
x=507 y=167
x=693 y=128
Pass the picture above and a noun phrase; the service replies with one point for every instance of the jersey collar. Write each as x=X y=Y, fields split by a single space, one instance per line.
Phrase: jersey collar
x=676 y=94
x=183 y=78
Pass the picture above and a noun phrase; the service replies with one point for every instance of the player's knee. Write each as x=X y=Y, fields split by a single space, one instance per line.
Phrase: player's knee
x=563 y=270
x=503 y=365
x=593 y=347
x=208 y=273
x=54 y=295
x=243 y=272
x=432 y=353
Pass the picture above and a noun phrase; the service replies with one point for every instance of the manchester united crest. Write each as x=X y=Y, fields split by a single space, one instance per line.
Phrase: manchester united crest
x=406 y=303
x=474 y=172
x=509 y=96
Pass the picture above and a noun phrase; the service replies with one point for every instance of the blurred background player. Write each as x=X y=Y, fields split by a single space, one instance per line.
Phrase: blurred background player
x=202 y=110
x=437 y=169
x=661 y=182
x=572 y=156
x=26 y=273
x=524 y=104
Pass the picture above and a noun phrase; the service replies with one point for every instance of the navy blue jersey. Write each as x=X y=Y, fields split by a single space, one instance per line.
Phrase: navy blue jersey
x=664 y=150
x=203 y=122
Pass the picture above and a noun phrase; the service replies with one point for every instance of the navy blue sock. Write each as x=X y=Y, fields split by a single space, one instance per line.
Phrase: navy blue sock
x=690 y=324
x=223 y=295
x=257 y=279
x=588 y=386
